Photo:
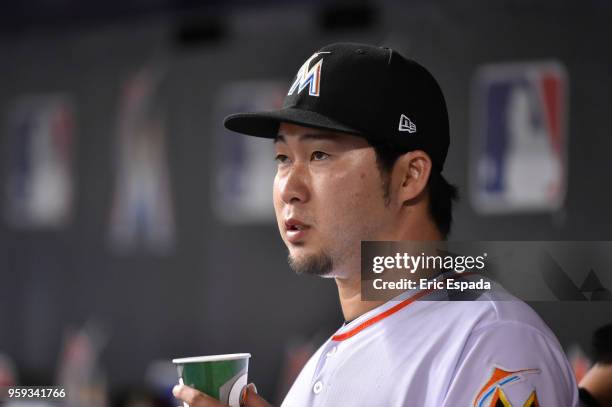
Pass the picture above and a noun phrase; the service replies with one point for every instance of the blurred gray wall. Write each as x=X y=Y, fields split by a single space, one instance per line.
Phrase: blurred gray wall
x=162 y=307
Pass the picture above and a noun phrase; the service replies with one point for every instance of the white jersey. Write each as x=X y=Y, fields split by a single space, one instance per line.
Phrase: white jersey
x=439 y=354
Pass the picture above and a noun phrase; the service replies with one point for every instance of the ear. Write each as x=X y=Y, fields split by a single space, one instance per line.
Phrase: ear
x=410 y=174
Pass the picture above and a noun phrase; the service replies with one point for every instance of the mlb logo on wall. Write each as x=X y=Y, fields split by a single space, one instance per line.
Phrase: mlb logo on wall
x=39 y=154
x=519 y=120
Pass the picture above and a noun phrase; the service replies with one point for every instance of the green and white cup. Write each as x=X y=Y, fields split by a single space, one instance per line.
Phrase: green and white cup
x=220 y=376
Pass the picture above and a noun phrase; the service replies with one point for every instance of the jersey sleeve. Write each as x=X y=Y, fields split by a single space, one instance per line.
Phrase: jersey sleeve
x=510 y=363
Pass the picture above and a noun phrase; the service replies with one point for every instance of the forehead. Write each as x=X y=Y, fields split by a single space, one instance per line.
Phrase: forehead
x=290 y=133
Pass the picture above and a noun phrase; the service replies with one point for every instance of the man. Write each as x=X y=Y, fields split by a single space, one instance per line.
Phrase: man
x=360 y=144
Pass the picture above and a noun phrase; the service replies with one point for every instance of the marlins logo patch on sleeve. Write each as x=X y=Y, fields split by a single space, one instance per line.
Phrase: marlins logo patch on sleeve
x=495 y=393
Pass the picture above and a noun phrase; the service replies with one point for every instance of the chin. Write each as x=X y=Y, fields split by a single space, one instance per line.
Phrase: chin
x=319 y=263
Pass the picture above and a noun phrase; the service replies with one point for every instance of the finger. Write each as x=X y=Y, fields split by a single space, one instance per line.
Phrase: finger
x=243 y=393
x=252 y=387
x=193 y=397
x=252 y=399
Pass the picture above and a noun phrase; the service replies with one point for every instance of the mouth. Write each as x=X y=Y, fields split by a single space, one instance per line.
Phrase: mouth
x=295 y=230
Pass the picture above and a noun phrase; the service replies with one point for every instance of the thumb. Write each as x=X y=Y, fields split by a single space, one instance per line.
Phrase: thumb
x=250 y=398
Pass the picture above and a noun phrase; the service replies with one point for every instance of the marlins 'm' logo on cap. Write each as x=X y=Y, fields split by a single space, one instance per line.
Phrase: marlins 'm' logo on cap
x=310 y=77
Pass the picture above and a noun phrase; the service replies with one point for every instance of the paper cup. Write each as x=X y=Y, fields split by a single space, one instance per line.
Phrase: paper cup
x=219 y=376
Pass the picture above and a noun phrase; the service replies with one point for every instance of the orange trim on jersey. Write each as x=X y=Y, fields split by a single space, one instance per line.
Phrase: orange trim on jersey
x=390 y=311
x=381 y=316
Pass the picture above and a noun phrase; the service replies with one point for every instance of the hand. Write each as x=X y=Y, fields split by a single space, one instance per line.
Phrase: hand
x=196 y=398
x=598 y=382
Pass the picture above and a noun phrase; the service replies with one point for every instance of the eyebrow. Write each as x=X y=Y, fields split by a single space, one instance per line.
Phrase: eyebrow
x=307 y=136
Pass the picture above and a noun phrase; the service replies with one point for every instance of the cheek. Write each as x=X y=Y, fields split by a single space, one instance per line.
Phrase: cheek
x=351 y=199
x=275 y=193
x=277 y=201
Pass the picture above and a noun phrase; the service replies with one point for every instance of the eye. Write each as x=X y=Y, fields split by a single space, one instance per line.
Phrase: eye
x=281 y=158
x=318 y=156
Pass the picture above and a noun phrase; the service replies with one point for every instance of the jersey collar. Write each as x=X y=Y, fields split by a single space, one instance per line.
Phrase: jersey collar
x=378 y=314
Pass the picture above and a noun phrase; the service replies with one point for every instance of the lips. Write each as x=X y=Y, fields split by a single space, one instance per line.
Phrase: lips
x=295 y=230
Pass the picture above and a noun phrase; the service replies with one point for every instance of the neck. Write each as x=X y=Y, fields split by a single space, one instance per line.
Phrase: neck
x=349 y=291
x=349 y=287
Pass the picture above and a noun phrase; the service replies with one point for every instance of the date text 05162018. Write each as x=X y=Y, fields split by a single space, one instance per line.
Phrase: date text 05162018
x=31 y=393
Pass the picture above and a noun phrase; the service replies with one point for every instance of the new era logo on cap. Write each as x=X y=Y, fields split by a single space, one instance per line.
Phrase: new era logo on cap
x=405 y=124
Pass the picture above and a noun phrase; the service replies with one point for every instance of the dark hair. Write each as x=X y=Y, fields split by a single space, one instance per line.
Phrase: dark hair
x=441 y=192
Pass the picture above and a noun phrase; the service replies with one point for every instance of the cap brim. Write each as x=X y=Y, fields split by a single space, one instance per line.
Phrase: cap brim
x=266 y=124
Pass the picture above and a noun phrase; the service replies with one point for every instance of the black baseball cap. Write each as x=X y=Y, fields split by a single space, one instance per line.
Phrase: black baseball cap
x=365 y=90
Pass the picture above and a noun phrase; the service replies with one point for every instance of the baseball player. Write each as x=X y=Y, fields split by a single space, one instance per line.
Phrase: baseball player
x=360 y=143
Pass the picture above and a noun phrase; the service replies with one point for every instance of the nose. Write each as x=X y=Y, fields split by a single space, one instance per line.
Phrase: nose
x=293 y=184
